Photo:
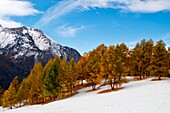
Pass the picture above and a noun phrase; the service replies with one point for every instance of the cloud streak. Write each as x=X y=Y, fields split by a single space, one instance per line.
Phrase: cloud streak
x=68 y=31
x=11 y=8
x=137 y=6
x=144 y=6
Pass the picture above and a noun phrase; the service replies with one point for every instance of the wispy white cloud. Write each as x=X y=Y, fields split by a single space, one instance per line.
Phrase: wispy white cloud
x=139 y=6
x=144 y=6
x=58 y=10
x=68 y=31
x=66 y=6
x=9 y=23
x=10 y=8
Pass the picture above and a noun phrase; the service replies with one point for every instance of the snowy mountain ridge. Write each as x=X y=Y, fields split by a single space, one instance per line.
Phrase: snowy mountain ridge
x=28 y=41
x=25 y=46
x=27 y=38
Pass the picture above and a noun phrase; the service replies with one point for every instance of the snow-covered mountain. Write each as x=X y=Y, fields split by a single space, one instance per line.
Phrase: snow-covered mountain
x=25 y=46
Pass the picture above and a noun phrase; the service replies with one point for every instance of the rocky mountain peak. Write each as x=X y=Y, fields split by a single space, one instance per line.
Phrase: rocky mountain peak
x=25 y=46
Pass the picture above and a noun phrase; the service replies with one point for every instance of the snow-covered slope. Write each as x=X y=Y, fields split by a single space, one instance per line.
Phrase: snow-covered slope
x=24 y=47
x=137 y=97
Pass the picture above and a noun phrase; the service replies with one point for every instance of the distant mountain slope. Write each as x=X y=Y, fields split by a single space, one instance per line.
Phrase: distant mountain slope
x=21 y=48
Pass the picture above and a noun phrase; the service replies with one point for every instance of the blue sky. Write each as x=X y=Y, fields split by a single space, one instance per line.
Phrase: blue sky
x=84 y=24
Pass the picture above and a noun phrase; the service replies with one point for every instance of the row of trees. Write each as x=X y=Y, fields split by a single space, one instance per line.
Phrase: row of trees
x=56 y=80
x=60 y=79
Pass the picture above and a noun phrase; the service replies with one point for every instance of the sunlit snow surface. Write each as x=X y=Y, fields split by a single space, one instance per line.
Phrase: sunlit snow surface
x=144 y=96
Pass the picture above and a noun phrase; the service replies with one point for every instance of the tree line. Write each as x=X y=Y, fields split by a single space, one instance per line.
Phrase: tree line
x=103 y=65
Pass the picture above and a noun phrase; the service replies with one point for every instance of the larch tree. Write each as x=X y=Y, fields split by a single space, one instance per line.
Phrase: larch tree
x=129 y=63
x=107 y=67
x=120 y=52
x=160 y=60
x=93 y=66
x=21 y=94
x=11 y=96
x=47 y=67
x=137 y=61
x=36 y=90
x=32 y=81
x=72 y=73
x=148 y=56
x=5 y=99
x=82 y=72
x=168 y=58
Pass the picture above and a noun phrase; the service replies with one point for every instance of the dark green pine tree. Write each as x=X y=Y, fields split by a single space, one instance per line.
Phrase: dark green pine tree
x=63 y=78
x=160 y=61
x=51 y=80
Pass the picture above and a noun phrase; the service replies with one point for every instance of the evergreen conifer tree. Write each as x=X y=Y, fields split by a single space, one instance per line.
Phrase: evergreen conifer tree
x=5 y=99
x=160 y=60
x=72 y=72
x=10 y=96
x=51 y=80
x=137 y=61
x=22 y=93
x=107 y=67
x=36 y=90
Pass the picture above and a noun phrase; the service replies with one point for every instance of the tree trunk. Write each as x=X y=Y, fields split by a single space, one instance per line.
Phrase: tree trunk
x=93 y=87
x=159 y=78
x=120 y=77
x=71 y=90
x=82 y=82
x=140 y=77
x=111 y=85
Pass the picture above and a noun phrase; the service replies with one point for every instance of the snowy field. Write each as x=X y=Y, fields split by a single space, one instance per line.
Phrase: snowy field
x=137 y=97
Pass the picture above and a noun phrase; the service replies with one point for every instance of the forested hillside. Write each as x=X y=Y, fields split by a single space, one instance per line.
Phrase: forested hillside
x=61 y=79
